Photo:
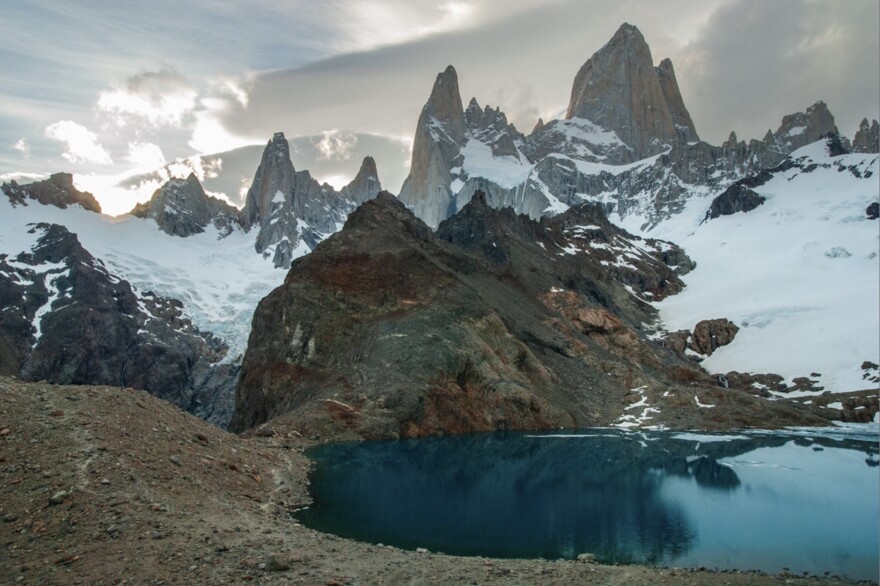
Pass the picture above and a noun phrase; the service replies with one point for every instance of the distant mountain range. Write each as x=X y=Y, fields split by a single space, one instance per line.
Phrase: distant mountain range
x=557 y=311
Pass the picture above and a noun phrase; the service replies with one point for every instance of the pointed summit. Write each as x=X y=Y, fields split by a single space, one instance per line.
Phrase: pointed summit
x=365 y=184
x=274 y=175
x=619 y=89
x=444 y=104
x=440 y=134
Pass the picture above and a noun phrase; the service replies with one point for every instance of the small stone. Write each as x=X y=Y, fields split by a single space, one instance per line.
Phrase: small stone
x=105 y=481
x=58 y=498
x=174 y=460
x=587 y=557
x=278 y=563
x=421 y=550
x=9 y=518
x=5 y=431
x=112 y=530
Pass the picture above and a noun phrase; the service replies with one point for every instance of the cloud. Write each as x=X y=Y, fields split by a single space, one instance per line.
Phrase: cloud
x=145 y=156
x=754 y=62
x=22 y=146
x=336 y=145
x=81 y=143
x=161 y=98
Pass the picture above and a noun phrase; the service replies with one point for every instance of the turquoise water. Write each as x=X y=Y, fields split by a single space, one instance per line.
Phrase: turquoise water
x=804 y=501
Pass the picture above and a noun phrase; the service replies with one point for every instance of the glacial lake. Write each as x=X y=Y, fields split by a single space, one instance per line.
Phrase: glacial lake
x=773 y=501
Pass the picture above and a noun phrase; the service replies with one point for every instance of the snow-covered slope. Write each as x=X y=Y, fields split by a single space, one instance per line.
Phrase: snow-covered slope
x=800 y=274
x=219 y=280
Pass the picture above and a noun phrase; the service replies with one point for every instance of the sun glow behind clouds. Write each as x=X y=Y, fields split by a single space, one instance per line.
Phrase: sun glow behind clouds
x=82 y=144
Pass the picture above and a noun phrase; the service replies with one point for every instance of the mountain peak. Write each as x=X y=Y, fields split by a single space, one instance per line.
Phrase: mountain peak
x=627 y=33
x=365 y=184
x=619 y=89
x=444 y=104
x=58 y=190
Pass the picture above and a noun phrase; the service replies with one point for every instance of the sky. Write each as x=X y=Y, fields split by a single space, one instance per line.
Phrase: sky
x=114 y=90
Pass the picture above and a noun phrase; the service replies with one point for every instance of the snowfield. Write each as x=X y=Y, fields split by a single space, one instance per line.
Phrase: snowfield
x=800 y=275
x=219 y=280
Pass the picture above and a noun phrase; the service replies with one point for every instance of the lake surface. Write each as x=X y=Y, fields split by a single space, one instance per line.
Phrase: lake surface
x=802 y=501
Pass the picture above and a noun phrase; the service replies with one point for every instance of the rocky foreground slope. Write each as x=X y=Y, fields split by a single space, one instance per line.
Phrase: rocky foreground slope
x=493 y=322
x=127 y=489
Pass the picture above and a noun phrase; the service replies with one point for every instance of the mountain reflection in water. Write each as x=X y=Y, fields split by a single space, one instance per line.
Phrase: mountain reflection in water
x=626 y=497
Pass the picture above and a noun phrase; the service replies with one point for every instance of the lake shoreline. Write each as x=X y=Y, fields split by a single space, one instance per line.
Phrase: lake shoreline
x=99 y=485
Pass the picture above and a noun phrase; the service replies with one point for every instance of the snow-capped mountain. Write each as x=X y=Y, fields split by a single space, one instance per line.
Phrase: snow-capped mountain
x=292 y=211
x=783 y=230
x=160 y=299
x=629 y=144
x=799 y=273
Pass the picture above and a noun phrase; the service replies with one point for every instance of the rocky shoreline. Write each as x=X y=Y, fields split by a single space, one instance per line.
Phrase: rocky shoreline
x=100 y=485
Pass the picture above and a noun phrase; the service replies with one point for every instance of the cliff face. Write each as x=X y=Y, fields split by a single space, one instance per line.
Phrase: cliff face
x=291 y=209
x=440 y=135
x=182 y=208
x=64 y=318
x=619 y=89
x=495 y=322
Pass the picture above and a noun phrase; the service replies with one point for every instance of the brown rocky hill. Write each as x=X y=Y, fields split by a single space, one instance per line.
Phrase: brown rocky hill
x=495 y=322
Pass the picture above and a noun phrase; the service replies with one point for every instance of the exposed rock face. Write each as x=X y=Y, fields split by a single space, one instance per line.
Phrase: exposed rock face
x=622 y=110
x=619 y=89
x=440 y=134
x=495 y=322
x=57 y=190
x=867 y=139
x=182 y=208
x=291 y=209
x=873 y=210
x=710 y=334
x=65 y=319
x=803 y=128
x=736 y=198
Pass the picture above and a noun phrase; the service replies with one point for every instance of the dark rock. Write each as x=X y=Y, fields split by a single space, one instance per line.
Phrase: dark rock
x=76 y=323
x=182 y=208
x=873 y=210
x=835 y=145
x=57 y=190
x=289 y=207
x=495 y=322
x=867 y=139
x=710 y=334
x=736 y=198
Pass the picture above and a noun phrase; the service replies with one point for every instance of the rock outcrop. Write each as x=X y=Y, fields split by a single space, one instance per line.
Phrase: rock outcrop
x=710 y=334
x=440 y=135
x=803 y=128
x=57 y=190
x=64 y=318
x=620 y=90
x=182 y=208
x=290 y=209
x=867 y=139
x=495 y=322
x=734 y=199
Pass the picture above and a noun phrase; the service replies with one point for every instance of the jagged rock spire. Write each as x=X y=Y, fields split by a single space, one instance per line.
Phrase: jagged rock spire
x=619 y=89
x=275 y=174
x=867 y=139
x=440 y=134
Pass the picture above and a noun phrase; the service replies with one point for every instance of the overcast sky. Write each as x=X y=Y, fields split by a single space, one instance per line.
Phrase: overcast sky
x=105 y=89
